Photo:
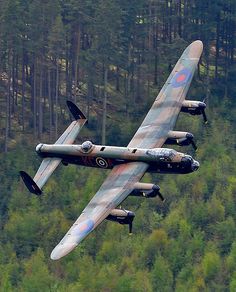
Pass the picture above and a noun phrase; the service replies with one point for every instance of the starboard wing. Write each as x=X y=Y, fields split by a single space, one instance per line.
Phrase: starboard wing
x=117 y=186
x=48 y=165
x=164 y=112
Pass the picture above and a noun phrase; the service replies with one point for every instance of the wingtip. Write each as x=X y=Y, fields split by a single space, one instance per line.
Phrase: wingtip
x=198 y=42
x=62 y=250
x=75 y=111
x=194 y=50
x=30 y=183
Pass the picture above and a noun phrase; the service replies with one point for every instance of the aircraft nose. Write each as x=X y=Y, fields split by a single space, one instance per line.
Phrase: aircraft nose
x=195 y=165
x=187 y=160
x=61 y=250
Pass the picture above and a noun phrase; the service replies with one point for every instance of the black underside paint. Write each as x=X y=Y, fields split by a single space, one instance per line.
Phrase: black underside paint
x=109 y=163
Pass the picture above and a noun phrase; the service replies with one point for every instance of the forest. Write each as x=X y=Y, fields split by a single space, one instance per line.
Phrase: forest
x=111 y=57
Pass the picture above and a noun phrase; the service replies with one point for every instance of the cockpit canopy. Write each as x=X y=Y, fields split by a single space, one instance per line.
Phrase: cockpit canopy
x=86 y=146
x=162 y=154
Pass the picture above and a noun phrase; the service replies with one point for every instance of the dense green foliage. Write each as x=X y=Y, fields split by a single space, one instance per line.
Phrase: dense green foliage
x=112 y=57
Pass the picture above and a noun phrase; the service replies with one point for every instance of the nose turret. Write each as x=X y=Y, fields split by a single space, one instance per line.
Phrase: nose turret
x=195 y=165
x=189 y=163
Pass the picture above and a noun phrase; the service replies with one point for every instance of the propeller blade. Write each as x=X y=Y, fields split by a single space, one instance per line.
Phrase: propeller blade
x=204 y=116
x=130 y=227
x=194 y=145
x=190 y=138
x=203 y=111
x=161 y=197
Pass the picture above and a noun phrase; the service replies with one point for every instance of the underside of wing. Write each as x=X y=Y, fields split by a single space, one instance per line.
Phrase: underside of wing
x=163 y=114
x=118 y=185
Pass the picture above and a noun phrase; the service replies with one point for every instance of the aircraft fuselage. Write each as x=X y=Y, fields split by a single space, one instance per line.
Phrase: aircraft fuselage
x=160 y=160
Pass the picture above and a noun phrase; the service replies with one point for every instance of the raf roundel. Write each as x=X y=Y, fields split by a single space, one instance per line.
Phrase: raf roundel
x=83 y=228
x=101 y=162
x=181 y=78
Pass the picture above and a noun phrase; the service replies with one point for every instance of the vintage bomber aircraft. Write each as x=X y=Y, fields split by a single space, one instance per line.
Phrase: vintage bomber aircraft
x=128 y=164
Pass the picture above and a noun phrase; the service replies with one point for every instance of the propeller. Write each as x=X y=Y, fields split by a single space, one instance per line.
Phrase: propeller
x=130 y=227
x=190 y=137
x=130 y=221
x=204 y=116
x=194 y=145
x=161 y=197
x=156 y=190
x=202 y=107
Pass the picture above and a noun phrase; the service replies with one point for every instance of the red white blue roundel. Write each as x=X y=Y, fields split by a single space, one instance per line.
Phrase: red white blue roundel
x=83 y=228
x=181 y=78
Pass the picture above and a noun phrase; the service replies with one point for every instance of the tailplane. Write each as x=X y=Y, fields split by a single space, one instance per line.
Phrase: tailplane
x=48 y=165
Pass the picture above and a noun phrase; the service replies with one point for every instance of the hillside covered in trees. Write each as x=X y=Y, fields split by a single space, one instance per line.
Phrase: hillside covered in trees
x=111 y=58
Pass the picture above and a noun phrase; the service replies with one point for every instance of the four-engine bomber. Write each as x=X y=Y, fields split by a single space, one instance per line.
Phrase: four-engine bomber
x=144 y=153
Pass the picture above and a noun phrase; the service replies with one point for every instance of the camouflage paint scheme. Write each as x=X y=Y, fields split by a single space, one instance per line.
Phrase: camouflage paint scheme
x=50 y=164
x=163 y=114
x=151 y=135
x=160 y=160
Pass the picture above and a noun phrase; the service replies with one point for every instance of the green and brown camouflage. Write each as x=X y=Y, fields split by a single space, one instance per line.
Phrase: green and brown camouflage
x=129 y=164
x=164 y=112
x=160 y=160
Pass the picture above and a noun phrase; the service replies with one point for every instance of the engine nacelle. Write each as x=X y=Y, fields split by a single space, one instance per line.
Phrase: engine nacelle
x=193 y=107
x=146 y=190
x=122 y=216
x=179 y=138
